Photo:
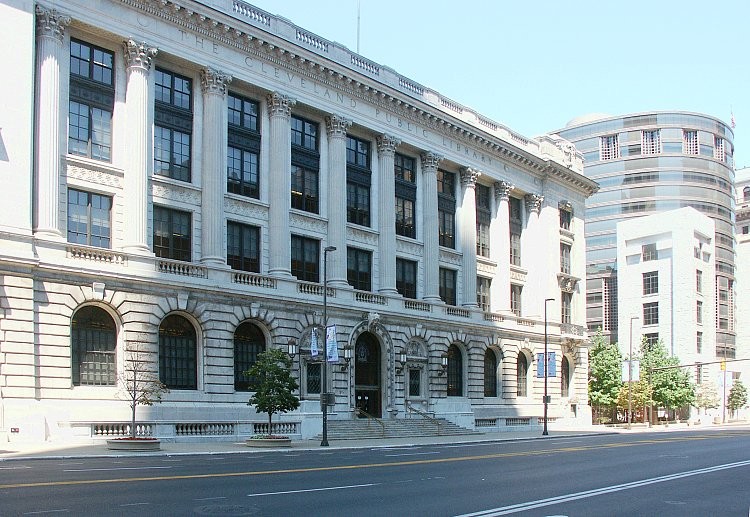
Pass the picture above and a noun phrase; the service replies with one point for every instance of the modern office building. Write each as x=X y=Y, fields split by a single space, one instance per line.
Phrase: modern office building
x=201 y=181
x=651 y=163
x=741 y=369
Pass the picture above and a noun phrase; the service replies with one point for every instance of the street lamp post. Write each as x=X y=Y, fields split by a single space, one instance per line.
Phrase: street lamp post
x=324 y=388
x=630 y=373
x=546 y=398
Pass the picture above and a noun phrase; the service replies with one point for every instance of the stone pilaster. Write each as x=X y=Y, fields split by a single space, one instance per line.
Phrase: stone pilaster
x=213 y=165
x=431 y=254
x=337 y=127
x=50 y=31
x=280 y=180
x=387 y=235
x=500 y=248
x=468 y=236
x=138 y=57
x=533 y=249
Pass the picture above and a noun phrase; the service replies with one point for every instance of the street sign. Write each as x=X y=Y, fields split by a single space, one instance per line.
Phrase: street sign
x=327 y=399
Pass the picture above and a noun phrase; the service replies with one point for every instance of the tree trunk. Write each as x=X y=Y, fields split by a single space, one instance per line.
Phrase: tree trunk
x=132 y=421
x=270 y=414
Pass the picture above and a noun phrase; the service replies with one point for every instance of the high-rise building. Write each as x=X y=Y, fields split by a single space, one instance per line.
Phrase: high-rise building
x=191 y=181
x=650 y=163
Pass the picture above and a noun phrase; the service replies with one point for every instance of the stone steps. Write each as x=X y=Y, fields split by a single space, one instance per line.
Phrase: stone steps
x=364 y=428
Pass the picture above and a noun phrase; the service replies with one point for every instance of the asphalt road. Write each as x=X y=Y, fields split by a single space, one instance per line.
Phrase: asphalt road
x=662 y=474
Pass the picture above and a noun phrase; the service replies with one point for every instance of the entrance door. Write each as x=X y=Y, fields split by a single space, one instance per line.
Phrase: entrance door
x=367 y=391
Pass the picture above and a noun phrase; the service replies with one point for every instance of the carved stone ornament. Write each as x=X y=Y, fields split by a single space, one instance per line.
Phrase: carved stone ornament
x=387 y=144
x=280 y=104
x=138 y=55
x=337 y=125
x=503 y=189
x=430 y=161
x=51 y=23
x=534 y=202
x=214 y=81
x=469 y=176
x=565 y=205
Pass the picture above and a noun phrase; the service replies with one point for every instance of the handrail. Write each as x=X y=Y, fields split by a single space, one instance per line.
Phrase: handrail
x=370 y=418
x=423 y=414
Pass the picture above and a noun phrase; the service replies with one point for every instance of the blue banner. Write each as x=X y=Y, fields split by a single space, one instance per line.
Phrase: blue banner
x=551 y=365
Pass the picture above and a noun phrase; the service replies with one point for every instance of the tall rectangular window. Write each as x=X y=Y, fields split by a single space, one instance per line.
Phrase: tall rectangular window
x=565 y=258
x=89 y=217
x=651 y=313
x=305 y=186
x=406 y=195
x=698 y=281
x=483 y=293
x=650 y=282
x=446 y=185
x=92 y=97
x=650 y=142
x=515 y=222
x=699 y=342
x=483 y=216
x=359 y=268
x=649 y=252
x=719 y=152
x=699 y=312
x=243 y=146
x=566 y=219
x=406 y=278
x=448 y=285
x=609 y=148
x=651 y=338
x=566 y=307
x=173 y=125
x=243 y=247
x=358 y=179
x=305 y=258
x=690 y=142
x=515 y=299
x=172 y=234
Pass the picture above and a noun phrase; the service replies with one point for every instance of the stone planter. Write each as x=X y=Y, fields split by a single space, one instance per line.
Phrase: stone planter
x=269 y=442
x=137 y=444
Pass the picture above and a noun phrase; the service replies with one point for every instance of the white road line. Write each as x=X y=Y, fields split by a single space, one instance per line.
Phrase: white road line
x=116 y=468
x=134 y=504
x=209 y=498
x=530 y=505
x=410 y=454
x=19 y=467
x=61 y=510
x=314 y=490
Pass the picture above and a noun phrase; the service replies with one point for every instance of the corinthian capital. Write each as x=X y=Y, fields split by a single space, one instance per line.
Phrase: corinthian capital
x=214 y=81
x=469 y=177
x=51 y=23
x=503 y=189
x=280 y=104
x=534 y=202
x=387 y=144
x=337 y=125
x=430 y=161
x=138 y=55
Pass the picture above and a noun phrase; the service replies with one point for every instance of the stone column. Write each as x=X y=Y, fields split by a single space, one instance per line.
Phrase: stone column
x=500 y=248
x=138 y=58
x=534 y=251
x=387 y=235
x=50 y=30
x=337 y=127
x=279 y=184
x=213 y=165
x=468 y=222
x=431 y=254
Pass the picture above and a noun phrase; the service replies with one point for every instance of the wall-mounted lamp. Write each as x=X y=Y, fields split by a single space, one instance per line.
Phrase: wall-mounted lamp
x=292 y=348
x=400 y=361
x=347 y=358
x=443 y=364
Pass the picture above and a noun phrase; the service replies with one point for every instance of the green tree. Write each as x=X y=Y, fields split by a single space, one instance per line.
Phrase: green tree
x=671 y=388
x=605 y=367
x=273 y=383
x=639 y=396
x=737 y=396
x=706 y=396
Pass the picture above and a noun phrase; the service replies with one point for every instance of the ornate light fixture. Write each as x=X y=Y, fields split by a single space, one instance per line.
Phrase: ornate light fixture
x=347 y=357
x=400 y=361
x=443 y=364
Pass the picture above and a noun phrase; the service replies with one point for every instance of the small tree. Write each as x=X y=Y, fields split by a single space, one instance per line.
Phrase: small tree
x=706 y=396
x=140 y=385
x=638 y=394
x=273 y=383
x=737 y=396
x=605 y=363
x=671 y=387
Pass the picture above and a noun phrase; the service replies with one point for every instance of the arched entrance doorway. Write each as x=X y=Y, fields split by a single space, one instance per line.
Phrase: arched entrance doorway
x=367 y=378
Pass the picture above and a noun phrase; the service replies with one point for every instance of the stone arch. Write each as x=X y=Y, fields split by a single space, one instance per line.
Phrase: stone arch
x=374 y=326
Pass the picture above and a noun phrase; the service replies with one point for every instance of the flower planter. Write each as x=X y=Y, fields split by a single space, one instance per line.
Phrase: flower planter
x=269 y=442
x=134 y=444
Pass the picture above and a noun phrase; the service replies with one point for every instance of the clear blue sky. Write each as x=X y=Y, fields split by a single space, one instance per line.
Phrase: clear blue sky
x=534 y=66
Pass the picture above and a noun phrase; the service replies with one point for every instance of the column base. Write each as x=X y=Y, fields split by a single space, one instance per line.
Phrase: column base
x=433 y=299
x=389 y=291
x=470 y=305
x=49 y=234
x=339 y=284
x=214 y=261
x=280 y=273
x=137 y=249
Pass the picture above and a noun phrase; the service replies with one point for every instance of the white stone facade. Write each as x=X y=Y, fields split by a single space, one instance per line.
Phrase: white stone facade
x=142 y=179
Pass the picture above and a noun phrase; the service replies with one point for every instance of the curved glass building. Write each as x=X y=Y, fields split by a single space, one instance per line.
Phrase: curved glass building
x=647 y=163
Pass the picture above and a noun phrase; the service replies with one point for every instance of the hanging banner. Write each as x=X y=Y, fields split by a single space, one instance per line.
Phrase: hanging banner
x=314 y=343
x=332 y=349
x=551 y=366
x=635 y=374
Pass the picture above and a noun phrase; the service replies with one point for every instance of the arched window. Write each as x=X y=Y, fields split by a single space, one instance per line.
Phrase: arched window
x=248 y=343
x=490 y=374
x=565 y=378
x=522 y=375
x=93 y=339
x=455 y=372
x=178 y=354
